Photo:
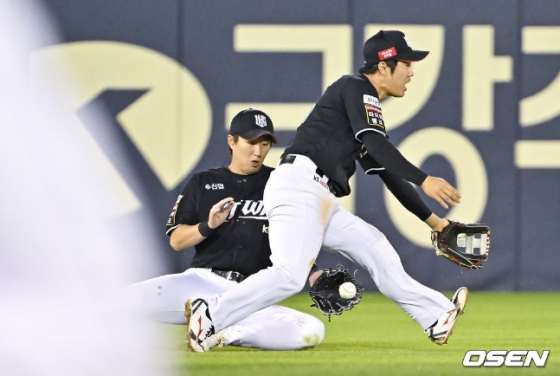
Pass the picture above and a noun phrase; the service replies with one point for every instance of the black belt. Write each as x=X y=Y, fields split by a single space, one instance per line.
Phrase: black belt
x=290 y=158
x=230 y=275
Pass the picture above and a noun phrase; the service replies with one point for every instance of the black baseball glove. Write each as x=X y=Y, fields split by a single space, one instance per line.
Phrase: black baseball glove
x=326 y=296
x=465 y=244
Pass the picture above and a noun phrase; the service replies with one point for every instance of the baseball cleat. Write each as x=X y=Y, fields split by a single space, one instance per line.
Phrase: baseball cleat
x=442 y=329
x=217 y=340
x=199 y=325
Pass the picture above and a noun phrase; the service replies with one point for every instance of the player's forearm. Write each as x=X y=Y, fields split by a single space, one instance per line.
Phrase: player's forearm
x=380 y=149
x=185 y=236
x=406 y=194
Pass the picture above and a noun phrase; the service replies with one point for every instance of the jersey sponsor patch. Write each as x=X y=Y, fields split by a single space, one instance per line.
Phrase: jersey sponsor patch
x=370 y=99
x=171 y=219
x=214 y=186
x=374 y=116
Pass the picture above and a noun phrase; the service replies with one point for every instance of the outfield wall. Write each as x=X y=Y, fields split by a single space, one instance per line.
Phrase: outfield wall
x=481 y=111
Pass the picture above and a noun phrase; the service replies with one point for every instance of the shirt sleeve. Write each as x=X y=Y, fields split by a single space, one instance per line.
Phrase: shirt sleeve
x=185 y=210
x=406 y=194
x=370 y=166
x=382 y=151
x=363 y=108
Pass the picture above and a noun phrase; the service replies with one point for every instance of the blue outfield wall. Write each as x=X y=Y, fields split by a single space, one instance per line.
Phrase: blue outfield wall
x=482 y=111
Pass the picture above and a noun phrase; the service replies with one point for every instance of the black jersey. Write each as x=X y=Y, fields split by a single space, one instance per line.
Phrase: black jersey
x=330 y=134
x=241 y=242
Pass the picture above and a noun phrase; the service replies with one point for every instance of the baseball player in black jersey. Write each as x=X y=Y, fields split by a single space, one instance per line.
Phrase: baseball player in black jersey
x=220 y=212
x=303 y=208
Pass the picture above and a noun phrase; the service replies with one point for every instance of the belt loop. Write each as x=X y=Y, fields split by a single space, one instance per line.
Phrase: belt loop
x=288 y=158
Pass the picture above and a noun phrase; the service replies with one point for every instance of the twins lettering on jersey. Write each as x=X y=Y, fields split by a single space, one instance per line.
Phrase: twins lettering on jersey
x=248 y=209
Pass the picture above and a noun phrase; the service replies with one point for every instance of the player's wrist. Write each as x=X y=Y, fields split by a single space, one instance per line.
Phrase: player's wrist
x=314 y=276
x=433 y=221
x=425 y=181
x=204 y=229
x=436 y=223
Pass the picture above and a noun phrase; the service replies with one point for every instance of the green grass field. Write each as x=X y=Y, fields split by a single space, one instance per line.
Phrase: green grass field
x=377 y=338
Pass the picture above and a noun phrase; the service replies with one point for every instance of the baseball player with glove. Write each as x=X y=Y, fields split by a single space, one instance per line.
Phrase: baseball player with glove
x=303 y=207
x=221 y=214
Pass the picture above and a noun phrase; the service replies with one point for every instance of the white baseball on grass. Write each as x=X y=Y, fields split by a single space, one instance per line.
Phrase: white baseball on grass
x=347 y=290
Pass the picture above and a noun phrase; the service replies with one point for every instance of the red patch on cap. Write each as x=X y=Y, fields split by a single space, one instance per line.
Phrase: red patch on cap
x=388 y=53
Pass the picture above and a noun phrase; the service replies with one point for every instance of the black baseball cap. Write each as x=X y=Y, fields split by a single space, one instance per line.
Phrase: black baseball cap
x=252 y=124
x=390 y=44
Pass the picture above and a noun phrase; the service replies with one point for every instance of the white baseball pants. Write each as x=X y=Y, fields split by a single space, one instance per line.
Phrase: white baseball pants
x=303 y=215
x=162 y=299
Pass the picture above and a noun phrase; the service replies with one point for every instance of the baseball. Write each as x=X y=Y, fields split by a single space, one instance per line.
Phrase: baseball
x=347 y=290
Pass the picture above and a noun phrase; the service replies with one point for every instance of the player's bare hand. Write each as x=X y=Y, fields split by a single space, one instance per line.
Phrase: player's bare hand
x=313 y=277
x=441 y=191
x=219 y=212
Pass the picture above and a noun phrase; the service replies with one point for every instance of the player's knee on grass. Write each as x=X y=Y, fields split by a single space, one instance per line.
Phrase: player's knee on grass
x=312 y=332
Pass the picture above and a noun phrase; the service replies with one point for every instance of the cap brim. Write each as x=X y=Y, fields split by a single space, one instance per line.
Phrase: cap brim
x=253 y=135
x=412 y=55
